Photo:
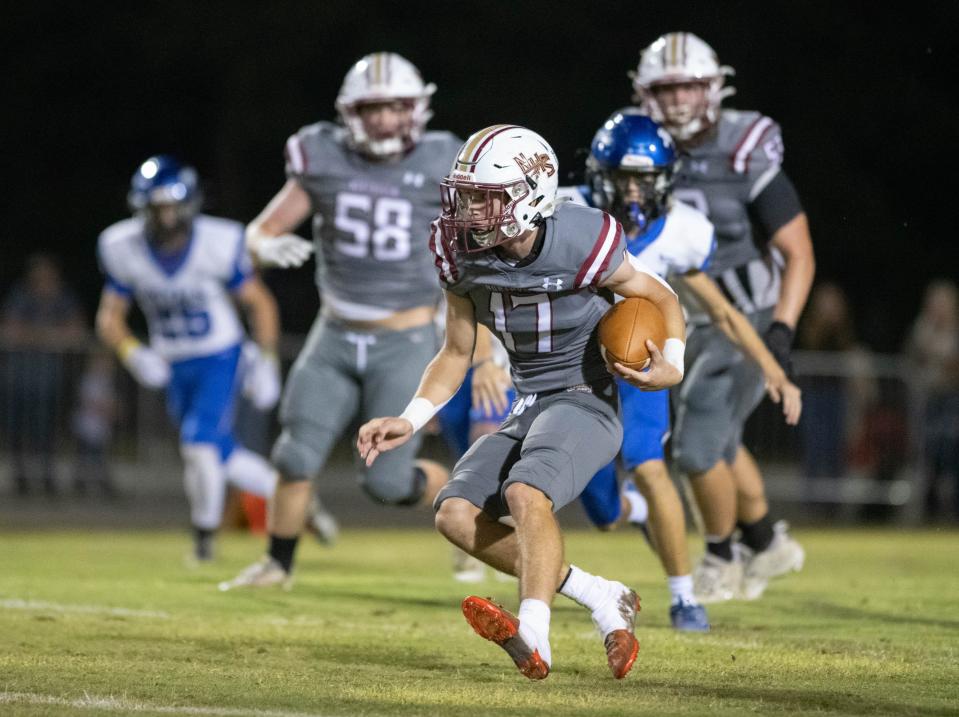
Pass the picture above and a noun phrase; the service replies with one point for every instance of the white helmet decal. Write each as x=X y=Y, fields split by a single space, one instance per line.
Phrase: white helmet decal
x=675 y=58
x=379 y=77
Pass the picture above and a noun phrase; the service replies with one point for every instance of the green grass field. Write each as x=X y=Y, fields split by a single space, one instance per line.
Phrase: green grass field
x=112 y=623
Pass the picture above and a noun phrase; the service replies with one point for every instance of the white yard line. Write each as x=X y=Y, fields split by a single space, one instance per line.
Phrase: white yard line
x=119 y=704
x=17 y=604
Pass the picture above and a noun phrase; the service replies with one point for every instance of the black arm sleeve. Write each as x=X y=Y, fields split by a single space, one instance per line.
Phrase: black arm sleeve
x=776 y=205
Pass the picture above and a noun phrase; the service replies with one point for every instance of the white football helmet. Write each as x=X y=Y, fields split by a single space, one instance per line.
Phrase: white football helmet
x=674 y=58
x=379 y=77
x=503 y=182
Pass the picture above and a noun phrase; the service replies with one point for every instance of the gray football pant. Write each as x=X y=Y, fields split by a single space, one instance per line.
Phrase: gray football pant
x=720 y=390
x=555 y=443
x=340 y=374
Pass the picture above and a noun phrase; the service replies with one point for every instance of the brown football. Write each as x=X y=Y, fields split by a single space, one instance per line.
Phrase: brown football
x=623 y=331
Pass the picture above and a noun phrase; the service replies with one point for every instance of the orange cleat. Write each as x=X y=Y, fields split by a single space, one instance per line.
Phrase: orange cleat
x=621 y=645
x=498 y=625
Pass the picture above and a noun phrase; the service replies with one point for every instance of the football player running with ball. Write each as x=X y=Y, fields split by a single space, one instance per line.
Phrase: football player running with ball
x=183 y=269
x=371 y=188
x=539 y=277
x=732 y=173
x=630 y=173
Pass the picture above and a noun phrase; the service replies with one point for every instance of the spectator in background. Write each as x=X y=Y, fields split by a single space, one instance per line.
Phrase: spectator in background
x=92 y=424
x=825 y=327
x=933 y=344
x=40 y=318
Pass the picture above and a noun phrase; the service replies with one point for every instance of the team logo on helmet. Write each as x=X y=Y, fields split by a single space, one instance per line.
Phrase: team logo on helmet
x=539 y=162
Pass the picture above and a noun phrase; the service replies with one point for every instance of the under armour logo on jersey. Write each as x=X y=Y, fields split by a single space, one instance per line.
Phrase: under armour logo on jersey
x=522 y=403
x=554 y=284
x=415 y=179
x=700 y=166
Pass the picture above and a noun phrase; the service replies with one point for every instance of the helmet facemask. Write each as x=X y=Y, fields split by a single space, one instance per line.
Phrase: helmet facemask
x=384 y=77
x=679 y=58
x=637 y=206
x=478 y=217
x=408 y=130
x=689 y=117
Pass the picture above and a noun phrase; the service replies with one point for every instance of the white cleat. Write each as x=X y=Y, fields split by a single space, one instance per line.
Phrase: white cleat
x=466 y=568
x=322 y=523
x=265 y=573
x=615 y=618
x=716 y=580
x=783 y=555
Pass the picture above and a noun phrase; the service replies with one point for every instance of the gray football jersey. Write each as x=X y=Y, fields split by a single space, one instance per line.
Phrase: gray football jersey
x=544 y=312
x=720 y=177
x=372 y=219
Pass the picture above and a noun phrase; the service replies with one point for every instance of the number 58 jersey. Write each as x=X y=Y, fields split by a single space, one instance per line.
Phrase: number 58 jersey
x=371 y=219
x=185 y=298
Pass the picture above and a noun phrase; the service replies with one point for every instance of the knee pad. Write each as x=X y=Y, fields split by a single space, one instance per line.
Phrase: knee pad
x=385 y=491
x=300 y=452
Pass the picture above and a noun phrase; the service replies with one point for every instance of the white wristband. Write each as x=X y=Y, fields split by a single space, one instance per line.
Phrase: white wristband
x=419 y=411
x=674 y=351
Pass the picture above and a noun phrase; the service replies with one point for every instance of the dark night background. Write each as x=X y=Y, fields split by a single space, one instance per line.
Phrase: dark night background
x=867 y=101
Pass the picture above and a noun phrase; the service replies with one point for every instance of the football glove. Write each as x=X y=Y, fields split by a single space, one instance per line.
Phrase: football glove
x=261 y=377
x=148 y=367
x=284 y=251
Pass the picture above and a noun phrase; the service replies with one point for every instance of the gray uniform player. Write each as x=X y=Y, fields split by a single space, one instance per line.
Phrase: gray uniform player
x=539 y=278
x=371 y=188
x=731 y=173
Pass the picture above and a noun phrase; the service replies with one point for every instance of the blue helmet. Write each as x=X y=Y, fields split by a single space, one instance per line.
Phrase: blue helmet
x=632 y=146
x=163 y=180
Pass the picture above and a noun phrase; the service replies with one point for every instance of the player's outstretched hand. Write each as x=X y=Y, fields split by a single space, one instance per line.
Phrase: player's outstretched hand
x=490 y=386
x=381 y=435
x=782 y=390
x=658 y=375
x=285 y=251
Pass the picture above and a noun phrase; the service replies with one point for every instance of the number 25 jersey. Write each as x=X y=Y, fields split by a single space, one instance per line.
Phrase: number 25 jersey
x=185 y=298
x=371 y=219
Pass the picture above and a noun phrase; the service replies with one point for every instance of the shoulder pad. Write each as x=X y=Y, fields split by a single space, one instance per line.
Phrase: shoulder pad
x=306 y=150
x=754 y=142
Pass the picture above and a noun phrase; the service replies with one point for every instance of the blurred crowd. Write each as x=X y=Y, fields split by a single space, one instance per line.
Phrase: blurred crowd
x=59 y=394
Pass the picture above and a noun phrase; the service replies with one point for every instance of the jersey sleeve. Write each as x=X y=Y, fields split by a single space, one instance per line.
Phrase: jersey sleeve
x=304 y=151
x=111 y=266
x=607 y=251
x=758 y=154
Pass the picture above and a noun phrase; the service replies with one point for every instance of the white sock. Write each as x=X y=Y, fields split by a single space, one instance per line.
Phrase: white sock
x=681 y=589
x=638 y=509
x=590 y=591
x=250 y=472
x=534 y=627
x=203 y=480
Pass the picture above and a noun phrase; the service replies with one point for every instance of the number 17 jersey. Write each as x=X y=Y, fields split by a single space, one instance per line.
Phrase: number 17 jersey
x=544 y=309
x=371 y=219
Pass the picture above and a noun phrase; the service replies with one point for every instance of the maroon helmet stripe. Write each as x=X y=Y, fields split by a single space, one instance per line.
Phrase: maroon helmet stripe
x=489 y=138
